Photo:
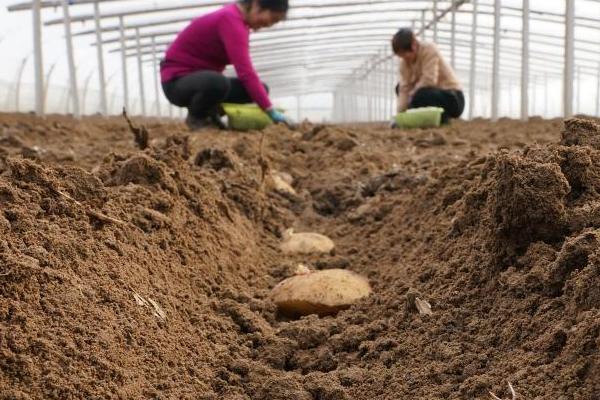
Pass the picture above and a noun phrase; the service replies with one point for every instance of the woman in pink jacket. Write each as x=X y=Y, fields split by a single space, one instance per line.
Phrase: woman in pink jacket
x=192 y=69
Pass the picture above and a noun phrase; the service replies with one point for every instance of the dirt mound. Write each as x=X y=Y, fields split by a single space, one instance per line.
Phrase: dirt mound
x=146 y=274
x=127 y=304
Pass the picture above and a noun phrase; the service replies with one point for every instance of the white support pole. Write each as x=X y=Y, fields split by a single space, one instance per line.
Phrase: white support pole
x=71 y=59
x=337 y=106
x=453 y=37
x=344 y=106
x=395 y=80
x=435 y=23
x=355 y=106
x=387 y=83
x=18 y=86
x=546 y=95
x=598 y=94
x=108 y=81
x=357 y=102
x=535 y=95
x=369 y=93
x=569 y=58
x=47 y=83
x=68 y=102
x=362 y=112
x=392 y=94
x=100 y=55
x=366 y=97
x=86 y=85
x=351 y=94
x=38 y=58
x=578 y=98
x=385 y=88
x=496 y=61
x=356 y=98
x=112 y=101
x=349 y=103
x=340 y=105
x=156 y=85
x=64 y=95
x=124 y=64
x=377 y=86
x=381 y=90
x=344 y=109
x=473 y=71
x=374 y=91
x=140 y=71
x=334 y=106
x=358 y=84
x=510 y=98
x=424 y=30
x=525 y=64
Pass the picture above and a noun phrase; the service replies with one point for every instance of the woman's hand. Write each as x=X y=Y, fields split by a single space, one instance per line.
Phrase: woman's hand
x=278 y=118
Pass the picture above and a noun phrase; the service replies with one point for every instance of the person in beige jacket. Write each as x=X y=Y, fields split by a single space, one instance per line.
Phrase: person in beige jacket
x=426 y=79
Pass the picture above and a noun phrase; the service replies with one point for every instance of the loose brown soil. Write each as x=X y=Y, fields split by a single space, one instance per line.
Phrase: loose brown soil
x=129 y=274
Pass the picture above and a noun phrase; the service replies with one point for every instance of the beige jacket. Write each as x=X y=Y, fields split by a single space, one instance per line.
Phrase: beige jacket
x=429 y=70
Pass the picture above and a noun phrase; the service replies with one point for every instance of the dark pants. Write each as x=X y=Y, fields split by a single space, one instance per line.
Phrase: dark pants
x=452 y=101
x=202 y=92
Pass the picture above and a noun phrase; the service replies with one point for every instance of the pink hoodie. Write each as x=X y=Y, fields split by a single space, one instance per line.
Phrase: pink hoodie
x=212 y=42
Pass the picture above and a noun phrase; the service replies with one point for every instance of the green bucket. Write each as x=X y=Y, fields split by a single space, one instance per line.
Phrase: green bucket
x=246 y=117
x=424 y=117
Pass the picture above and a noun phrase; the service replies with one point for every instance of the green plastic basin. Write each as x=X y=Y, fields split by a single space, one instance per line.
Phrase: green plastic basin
x=246 y=117
x=425 y=117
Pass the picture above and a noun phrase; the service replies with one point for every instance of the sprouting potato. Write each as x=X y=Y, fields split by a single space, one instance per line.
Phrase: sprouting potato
x=305 y=243
x=281 y=183
x=321 y=292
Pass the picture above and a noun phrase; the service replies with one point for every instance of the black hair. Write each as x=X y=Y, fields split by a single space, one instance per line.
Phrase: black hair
x=403 y=40
x=281 y=6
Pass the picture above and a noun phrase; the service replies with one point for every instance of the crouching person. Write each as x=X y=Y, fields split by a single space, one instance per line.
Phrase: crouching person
x=192 y=69
x=426 y=79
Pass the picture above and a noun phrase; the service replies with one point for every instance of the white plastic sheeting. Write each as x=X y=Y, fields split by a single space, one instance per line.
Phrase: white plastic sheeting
x=342 y=48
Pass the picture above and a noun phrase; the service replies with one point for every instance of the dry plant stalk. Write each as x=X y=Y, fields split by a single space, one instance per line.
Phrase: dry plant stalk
x=264 y=170
x=512 y=391
x=262 y=161
x=423 y=306
x=140 y=135
x=96 y=214
x=157 y=311
x=414 y=304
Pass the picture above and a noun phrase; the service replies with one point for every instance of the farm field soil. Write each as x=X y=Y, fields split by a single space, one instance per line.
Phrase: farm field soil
x=145 y=274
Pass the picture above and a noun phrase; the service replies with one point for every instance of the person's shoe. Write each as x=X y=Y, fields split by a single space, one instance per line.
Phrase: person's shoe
x=216 y=121
x=195 y=124
x=212 y=121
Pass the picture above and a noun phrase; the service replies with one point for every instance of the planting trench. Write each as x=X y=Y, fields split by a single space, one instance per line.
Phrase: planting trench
x=129 y=274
